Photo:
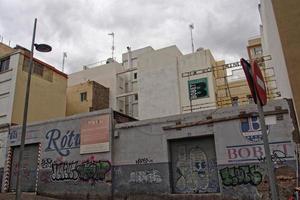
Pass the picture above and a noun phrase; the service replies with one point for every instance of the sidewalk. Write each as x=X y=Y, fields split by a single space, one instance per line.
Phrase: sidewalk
x=25 y=196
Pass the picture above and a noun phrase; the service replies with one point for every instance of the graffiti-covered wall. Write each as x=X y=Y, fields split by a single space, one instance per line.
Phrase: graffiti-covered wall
x=210 y=152
x=241 y=157
x=74 y=156
x=213 y=154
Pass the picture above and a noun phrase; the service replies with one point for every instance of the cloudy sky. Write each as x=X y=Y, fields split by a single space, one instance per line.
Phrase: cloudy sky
x=81 y=27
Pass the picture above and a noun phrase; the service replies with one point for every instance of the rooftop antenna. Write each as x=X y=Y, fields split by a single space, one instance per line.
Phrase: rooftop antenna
x=192 y=40
x=113 y=44
x=63 y=61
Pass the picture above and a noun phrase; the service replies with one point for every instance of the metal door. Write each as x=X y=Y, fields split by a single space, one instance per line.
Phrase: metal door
x=194 y=167
x=30 y=164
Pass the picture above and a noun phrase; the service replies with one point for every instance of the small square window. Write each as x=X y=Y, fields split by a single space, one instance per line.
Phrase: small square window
x=136 y=97
x=4 y=64
x=83 y=96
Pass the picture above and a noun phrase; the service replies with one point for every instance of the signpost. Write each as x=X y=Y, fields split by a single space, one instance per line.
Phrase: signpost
x=258 y=90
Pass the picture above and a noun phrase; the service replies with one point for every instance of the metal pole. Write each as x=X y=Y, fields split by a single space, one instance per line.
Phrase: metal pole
x=270 y=169
x=113 y=45
x=192 y=40
x=63 y=61
x=20 y=163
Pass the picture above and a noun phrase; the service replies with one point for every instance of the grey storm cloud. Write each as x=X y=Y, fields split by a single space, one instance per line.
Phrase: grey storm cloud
x=81 y=27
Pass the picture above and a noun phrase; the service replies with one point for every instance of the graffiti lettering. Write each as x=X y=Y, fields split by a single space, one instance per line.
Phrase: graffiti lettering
x=64 y=171
x=278 y=157
x=146 y=176
x=143 y=161
x=93 y=170
x=88 y=170
x=247 y=174
x=62 y=144
x=46 y=163
x=246 y=153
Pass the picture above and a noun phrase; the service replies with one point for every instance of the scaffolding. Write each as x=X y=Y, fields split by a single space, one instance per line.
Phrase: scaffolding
x=230 y=91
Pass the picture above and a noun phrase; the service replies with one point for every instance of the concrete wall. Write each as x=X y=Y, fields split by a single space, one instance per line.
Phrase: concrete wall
x=199 y=60
x=150 y=160
x=62 y=170
x=158 y=83
x=47 y=97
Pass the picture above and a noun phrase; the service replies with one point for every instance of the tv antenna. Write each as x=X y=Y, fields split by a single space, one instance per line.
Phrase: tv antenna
x=113 y=44
x=192 y=40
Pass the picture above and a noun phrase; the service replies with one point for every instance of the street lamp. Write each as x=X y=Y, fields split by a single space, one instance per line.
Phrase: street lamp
x=41 y=48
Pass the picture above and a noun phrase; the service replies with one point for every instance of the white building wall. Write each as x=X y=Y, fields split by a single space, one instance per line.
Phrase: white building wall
x=105 y=75
x=271 y=45
x=199 y=60
x=158 y=83
x=7 y=89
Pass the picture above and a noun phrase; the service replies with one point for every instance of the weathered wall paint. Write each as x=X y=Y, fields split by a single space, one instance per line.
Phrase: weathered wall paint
x=239 y=164
x=144 y=159
x=62 y=170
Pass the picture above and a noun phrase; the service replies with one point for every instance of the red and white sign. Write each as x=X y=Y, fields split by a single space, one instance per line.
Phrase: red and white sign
x=247 y=70
x=259 y=83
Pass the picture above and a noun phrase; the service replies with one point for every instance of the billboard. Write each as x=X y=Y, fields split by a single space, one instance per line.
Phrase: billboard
x=94 y=134
x=198 y=88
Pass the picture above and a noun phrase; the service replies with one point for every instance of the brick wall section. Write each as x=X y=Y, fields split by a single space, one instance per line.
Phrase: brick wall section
x=100 y=97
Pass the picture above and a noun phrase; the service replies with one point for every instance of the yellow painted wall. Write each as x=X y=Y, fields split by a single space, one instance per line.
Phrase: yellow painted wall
x=4 y=49
x=47 y=99
x=74 y=104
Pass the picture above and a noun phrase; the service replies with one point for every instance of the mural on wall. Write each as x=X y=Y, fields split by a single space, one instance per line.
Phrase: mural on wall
x=61 y=142
x=250 y=129
x=281 y=151
x=195 y=172
x=89 y=170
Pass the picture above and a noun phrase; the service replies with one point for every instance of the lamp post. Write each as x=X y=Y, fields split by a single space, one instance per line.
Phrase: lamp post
x=41 y=48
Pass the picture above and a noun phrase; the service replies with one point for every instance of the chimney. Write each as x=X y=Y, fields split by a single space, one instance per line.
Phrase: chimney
x=129 y=57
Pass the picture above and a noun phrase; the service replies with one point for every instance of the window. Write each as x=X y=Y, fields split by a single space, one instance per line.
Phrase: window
x=135 y=76
x=257 y=51
x=38 y=69
x=83 y=96
x=121 y=82
x=4 y=64
x=136 y=97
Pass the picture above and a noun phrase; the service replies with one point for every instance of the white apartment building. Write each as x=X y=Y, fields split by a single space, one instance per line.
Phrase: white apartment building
x=154 y=83
x=271 y=45
x=157 y=84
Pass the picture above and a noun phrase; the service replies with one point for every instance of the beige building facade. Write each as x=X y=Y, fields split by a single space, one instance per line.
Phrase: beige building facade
x=47 y=92
x=280 y=34
x=86 y=97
